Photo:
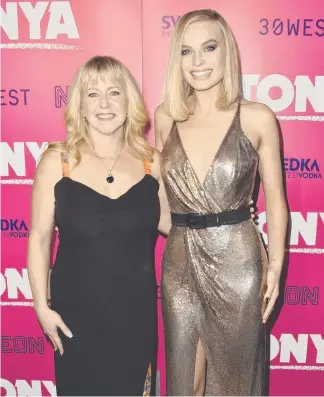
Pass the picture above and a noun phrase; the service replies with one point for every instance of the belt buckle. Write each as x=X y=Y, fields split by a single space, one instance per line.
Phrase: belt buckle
x=196 y=221
x=217 y=220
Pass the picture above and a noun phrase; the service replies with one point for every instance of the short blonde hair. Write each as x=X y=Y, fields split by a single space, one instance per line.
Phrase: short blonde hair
x=137 y=117
x=178 y=91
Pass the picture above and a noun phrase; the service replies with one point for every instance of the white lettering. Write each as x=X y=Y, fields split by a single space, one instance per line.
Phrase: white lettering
x=319 y=345
x=296 y=348
x=34 y=17
x=300 y=227
x=13 y=281
x=9 y=20
x=61 y=10
x=301 y=90
x=61 y=19
x=15 y=158
x=306 y=228
x=24 y=388
x=290 y=347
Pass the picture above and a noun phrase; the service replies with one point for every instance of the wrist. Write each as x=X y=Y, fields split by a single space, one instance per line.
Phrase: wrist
x=41 y=306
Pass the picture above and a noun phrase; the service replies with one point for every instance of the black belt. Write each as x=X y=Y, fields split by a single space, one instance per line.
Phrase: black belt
x=202 y=221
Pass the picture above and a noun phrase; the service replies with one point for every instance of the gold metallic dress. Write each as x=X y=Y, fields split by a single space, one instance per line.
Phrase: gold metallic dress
x=213 y=279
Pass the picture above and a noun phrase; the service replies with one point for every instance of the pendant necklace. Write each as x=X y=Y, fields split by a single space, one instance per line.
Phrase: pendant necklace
x=109 y=178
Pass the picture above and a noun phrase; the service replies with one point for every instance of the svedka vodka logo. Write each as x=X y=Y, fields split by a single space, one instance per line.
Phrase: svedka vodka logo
x=14 y=228
x=305 y=168
x=60 y=25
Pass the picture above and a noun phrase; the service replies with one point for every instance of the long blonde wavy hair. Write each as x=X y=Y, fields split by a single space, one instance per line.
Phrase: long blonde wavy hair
x=137 y=118
x=177 y=91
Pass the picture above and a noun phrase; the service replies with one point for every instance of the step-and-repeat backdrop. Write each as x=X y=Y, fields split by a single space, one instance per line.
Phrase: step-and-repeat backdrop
x=43 y=44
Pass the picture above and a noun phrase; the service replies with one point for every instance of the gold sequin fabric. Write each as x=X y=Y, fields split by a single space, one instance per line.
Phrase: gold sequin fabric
x=213 y=279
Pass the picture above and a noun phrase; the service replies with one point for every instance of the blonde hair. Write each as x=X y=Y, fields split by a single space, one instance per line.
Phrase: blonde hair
x=176 y=101
x=137 y=117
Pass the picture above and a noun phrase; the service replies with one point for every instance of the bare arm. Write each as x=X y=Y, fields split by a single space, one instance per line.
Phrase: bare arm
x=42 y=225
x=165 y=217
x=162 y=127
x=276 y=209
x=39 y=244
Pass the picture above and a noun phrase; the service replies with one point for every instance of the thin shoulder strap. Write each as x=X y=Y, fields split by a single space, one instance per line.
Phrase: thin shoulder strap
x=238 y=112
x=65 y=164
x=147 y=167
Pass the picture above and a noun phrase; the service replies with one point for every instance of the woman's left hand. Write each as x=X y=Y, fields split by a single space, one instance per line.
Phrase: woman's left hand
x=272 y=293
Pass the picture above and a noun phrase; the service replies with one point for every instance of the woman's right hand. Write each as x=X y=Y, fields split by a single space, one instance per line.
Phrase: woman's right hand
x=50 y=322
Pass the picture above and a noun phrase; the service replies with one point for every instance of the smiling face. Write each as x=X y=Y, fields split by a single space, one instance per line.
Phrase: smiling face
x=104 y=106
x=203 y=55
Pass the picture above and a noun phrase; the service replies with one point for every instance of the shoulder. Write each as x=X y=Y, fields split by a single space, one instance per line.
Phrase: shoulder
x=162 y=121
x=257 y=111
x=258 y=116
x=50 y=165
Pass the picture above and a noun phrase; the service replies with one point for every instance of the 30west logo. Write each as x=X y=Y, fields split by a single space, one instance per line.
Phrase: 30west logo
x=15 y=228
x=14 y=96
x=292 y=27
x=302 y=168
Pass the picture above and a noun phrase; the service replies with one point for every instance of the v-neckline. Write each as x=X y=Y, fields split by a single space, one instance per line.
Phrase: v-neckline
x=202 y=183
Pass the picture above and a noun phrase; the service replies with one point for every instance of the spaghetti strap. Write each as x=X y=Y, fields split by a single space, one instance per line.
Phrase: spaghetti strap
x=65 y=164
x=147 y=167
x=238 y=111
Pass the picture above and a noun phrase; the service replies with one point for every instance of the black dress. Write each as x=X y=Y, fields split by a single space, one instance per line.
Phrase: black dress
x=104 y=287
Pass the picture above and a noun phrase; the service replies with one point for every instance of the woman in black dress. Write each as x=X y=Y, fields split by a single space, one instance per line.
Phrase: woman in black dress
x=102 y=190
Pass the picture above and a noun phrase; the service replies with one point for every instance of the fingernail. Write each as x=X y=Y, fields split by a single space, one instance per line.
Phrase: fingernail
x=61 y=353
x=70 y=334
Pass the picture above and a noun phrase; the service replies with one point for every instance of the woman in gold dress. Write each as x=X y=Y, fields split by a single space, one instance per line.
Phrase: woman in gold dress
x=218 y=284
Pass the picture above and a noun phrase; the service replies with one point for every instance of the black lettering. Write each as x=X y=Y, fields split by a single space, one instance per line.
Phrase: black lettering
x=292 y=295
x=36 y=345
x=25 y=90
x=15 y=97
x=277 y=26
x=13 y=224
x=311 y=296
x=19 y=344
x=2 y=97
x=320 y=26
x=307 y=27
x=4 y=225
x=293 y=27
x=5 y=347
x=264 y=26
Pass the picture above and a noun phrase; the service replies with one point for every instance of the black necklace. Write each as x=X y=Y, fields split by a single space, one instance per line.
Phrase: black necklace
x=110 y=178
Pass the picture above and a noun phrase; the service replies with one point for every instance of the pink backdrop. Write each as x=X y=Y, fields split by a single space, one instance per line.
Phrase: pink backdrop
x=282 y=67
